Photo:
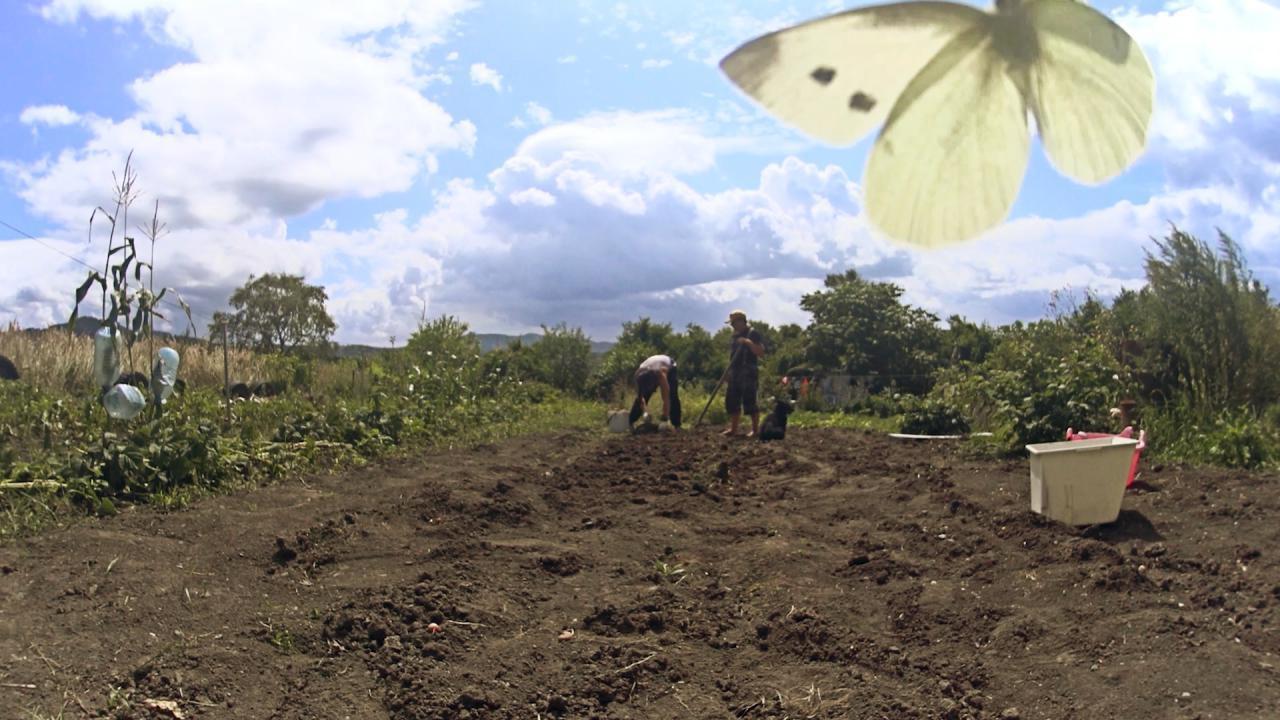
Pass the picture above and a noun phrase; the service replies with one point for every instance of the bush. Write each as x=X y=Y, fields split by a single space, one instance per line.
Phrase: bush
x=886 y=403
x=614 y=376
x=693 y=400
x=1034 y=386
x=1239 y=438
x=933 y=416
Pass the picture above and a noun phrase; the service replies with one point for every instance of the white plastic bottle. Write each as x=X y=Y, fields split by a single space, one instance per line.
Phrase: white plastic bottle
x=106 y=357
x=164 y=374
x=124 y=402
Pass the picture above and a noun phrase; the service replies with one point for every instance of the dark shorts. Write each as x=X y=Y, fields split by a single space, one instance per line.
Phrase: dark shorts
x=741 y=394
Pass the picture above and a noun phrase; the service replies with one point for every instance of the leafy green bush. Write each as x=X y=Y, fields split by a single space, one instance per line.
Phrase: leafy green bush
x=149 y=457
x=1037 y=383
x=1239 y=442
x=1238 y=438
x=933 y=416
x=563 y=358
x=613 y=377
x=693 y=400
x=886 y=403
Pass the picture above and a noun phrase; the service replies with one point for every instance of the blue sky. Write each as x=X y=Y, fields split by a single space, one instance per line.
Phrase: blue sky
x=516 y=164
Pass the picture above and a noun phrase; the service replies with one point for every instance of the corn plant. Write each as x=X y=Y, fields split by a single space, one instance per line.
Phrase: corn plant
x=132 y=308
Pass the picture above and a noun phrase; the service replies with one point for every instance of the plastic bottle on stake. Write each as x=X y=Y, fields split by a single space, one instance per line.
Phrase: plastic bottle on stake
x=164 y=374
x=106 y=357
x=124 y=402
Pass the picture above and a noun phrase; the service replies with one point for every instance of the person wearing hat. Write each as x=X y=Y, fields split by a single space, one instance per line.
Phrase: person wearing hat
x=744 y=374
x=657 y=372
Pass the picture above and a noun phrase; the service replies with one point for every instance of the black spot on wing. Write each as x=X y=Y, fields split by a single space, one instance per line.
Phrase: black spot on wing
x=823 y=75
x=862 y=102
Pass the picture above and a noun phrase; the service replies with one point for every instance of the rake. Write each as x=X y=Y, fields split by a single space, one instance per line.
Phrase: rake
x=732 y=359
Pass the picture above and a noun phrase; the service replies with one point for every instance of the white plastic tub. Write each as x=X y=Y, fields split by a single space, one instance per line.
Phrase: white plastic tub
x=1080 y=482
x=618 y=421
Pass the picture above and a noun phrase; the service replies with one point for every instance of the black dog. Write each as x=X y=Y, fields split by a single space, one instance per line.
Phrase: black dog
x=271 y=388
x=8 y=371
x=774 y=426
x=134 y=378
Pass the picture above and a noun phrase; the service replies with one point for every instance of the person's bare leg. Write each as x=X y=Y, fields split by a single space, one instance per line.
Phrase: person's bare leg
x=733 y=425
x=755 y=424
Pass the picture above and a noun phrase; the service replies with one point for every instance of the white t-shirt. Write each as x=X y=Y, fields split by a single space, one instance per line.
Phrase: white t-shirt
x=657 y=362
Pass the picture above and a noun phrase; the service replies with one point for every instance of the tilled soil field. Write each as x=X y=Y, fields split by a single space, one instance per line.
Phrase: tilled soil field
x=837 y=574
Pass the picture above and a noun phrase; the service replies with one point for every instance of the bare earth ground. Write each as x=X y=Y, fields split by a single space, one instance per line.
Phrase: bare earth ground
x=835 y=575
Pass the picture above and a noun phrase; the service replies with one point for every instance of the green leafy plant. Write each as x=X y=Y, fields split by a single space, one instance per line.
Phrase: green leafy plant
x=669 y=571
x=1232 y=438
x=1038 y=382
x=934 y=415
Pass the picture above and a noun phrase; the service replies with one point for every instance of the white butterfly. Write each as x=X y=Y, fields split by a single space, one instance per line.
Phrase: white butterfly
x=952 y=85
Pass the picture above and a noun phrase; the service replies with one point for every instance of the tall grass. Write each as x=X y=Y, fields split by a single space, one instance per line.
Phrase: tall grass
x=56 y=361
x=351 y=378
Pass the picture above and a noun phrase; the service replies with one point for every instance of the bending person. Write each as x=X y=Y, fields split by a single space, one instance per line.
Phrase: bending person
x=657 y=373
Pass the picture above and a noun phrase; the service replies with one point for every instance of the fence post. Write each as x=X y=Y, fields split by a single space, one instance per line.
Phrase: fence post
x=226 y=380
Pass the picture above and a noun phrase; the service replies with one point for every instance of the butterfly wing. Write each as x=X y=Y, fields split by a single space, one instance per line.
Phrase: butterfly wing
x=837 y=77
x=954 y=149
x=1091 y=89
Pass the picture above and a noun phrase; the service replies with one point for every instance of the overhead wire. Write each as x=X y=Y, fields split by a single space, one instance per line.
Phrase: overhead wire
x=194 y=315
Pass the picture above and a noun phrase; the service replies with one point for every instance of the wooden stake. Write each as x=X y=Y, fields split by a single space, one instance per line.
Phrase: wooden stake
x=226 y=377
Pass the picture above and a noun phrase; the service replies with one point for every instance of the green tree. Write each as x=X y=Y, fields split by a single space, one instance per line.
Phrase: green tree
x=861 y=327
x=443 y=342
x=788 y=351
x=647 y=332
x=564 y=358
x=699 y=358
x=516 y=361
x=612 y=379
x=964 y=341
x=276 y=313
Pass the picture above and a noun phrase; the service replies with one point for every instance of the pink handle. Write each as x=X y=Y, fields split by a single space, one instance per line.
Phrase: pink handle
x=1126 y=433
x=1073 y=435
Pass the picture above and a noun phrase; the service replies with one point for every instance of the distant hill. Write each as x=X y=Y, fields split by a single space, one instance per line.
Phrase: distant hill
x=488 y=341
x=495 y=341
x=89 y=326
x=347 y=351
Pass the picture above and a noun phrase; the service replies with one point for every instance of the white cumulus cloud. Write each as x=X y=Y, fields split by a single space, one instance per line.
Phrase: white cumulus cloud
x=1217 y=118
x=534 y=113
x=50 y=115
x=348 y=116
x=482 y=74
x=627 y=143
